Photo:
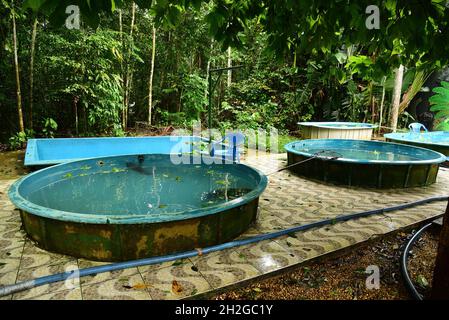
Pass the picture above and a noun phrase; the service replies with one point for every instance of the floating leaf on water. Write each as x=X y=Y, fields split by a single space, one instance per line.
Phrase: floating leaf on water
x=223 y=182
x=178 y=179
x=165 y=175
x=117 y=170
x=161 y=206
x=68 y=175
x=86 y=167
x=176 y=287
x=83 y=174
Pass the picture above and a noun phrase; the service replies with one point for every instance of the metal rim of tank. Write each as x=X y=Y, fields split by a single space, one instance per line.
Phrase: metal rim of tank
x=109 y=239
x=432 y=145
x=438 y=157
x=366 y=173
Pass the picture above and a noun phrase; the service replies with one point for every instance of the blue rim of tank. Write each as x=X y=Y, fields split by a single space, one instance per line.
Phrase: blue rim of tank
x=415 y=137
x=25 y=205
x=32 y=146
x=339 y=125
x=434 y=157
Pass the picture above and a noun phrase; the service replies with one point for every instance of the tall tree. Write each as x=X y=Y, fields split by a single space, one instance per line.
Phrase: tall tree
x=399 y=75
x=129 y=69
x=120 y=24
x=16 y=67
x=32 y=49
x=229 y=65
x=150 y=81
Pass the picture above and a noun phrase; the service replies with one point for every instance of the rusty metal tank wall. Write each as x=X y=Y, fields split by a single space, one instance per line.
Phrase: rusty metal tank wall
x=365 y=175
x=121 y=242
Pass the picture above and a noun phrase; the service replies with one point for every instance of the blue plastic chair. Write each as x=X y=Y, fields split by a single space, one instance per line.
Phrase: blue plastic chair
x=416 y=127
x=231 y=149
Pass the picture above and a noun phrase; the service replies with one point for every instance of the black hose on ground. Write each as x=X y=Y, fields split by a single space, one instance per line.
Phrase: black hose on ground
x=24 y=285
x=404 y=261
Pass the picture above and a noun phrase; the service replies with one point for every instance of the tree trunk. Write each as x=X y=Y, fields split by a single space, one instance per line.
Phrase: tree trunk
x=382 y=104
x=33 y=46
x=150 y=82
x=75 y=110
x=229 y=65
x=294 y=59
x=440 y=283
x=120 y=26
x=128 y=69
x=208 y=67
x=372 y=102
x=396 y=98
x=16 y=66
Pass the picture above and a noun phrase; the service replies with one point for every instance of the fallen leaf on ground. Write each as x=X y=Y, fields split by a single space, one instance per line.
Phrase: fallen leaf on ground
x=176 y=287
x=422 y=281
x=141 y=286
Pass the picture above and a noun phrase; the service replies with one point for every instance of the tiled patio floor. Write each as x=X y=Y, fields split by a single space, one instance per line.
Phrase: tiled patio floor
x=289 y=200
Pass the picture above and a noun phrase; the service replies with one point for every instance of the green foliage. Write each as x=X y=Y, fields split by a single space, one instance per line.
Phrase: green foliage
x=49 y=128
x=313 y=25
x=172 y=118
x=19 y=140
x=354 y=104
x=329 y=66
x=268 y=98
x=193 y=96
x=440 y=105
x=88 y=63
x=118 y=131
x=282 y=140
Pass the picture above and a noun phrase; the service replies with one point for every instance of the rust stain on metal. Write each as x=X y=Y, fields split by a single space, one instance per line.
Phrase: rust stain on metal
x=142 y=246
x=101 y=253
x=69 y=229
x=167 y=237
x=106 y=234
x=186 y=229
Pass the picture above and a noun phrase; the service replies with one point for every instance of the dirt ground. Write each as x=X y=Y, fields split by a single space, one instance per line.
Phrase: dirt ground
x=344 y=278
x=11 y=164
